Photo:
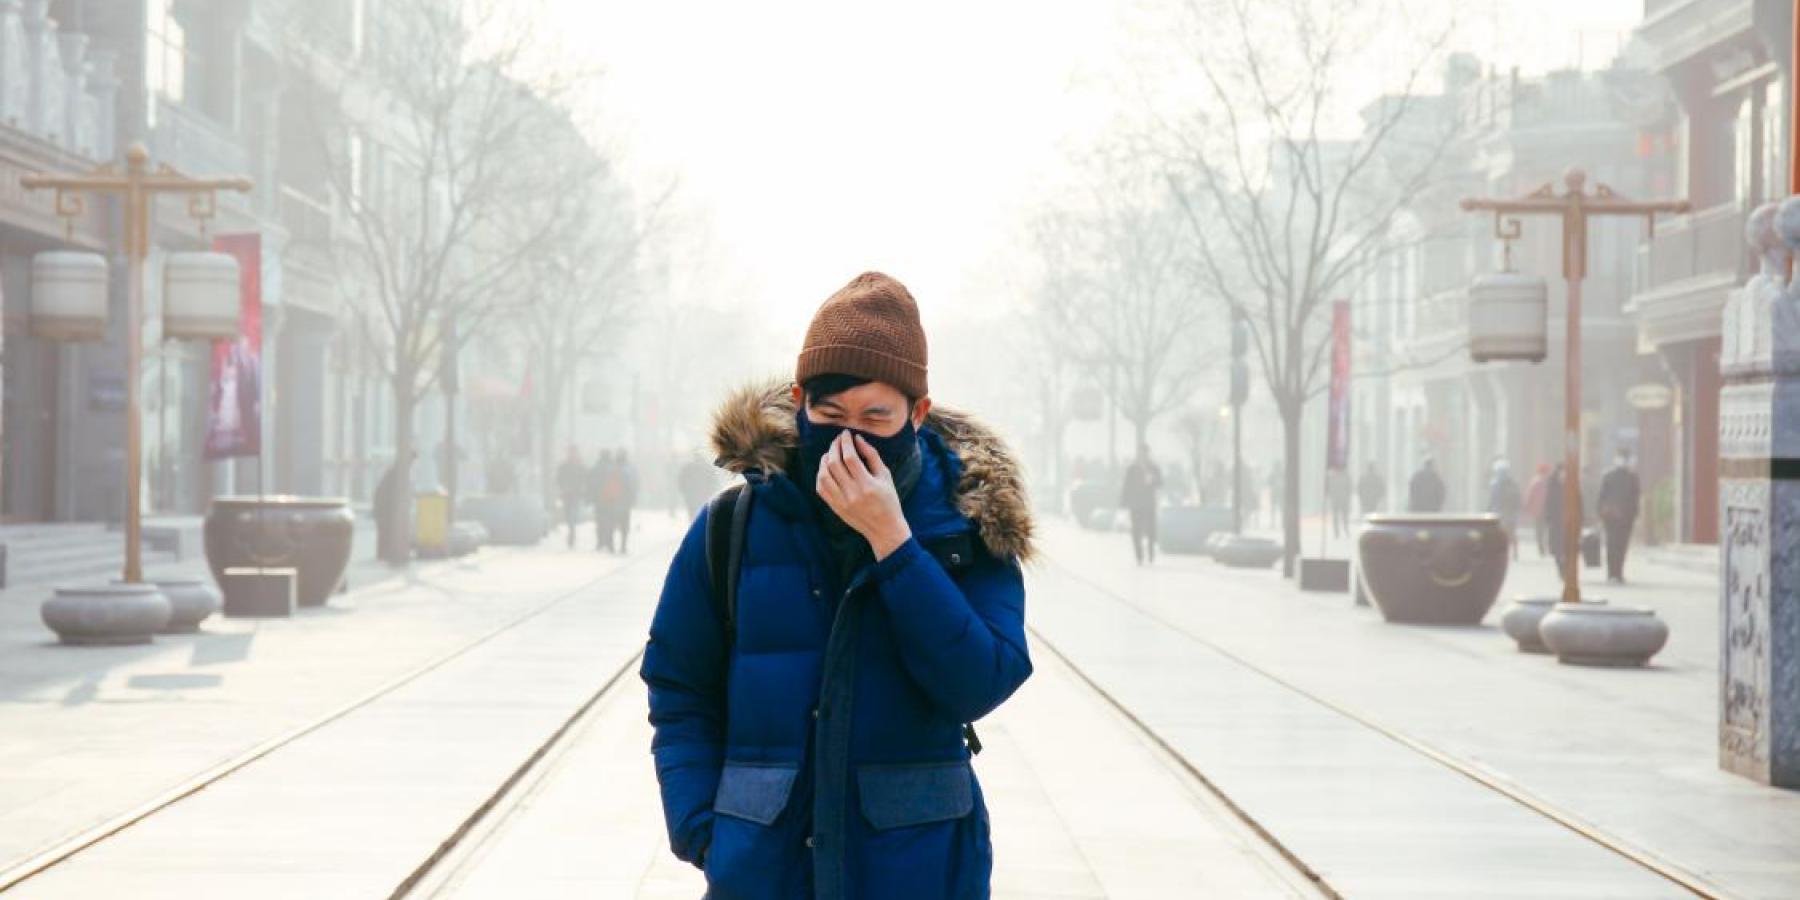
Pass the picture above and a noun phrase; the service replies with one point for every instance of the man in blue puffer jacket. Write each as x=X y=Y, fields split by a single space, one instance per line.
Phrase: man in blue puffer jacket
x=812 y=742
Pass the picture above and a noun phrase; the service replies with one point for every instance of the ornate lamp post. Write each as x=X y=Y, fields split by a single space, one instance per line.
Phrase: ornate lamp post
x=1575 y=206
x=194 y=282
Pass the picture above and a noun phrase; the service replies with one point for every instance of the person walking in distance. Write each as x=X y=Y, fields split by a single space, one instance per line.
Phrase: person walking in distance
x=604 y=486
x=1277 y=485
x=393 y=505
x=1553 y=518
x=1620 y=493
x=1371 y=489
x=1337 y=496
x=571 y=486
x=694 y=482
x=1138 y=498
x=811 y=686
x=1504 y=501
x=626 y=474
x=1425 y=493
x=1534 y=509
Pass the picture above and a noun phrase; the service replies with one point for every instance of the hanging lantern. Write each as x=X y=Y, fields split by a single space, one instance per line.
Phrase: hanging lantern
x=68 y=295
x=200 y=296
x=1508 y=317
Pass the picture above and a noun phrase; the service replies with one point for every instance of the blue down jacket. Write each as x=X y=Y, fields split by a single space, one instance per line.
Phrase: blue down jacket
x=820 y=752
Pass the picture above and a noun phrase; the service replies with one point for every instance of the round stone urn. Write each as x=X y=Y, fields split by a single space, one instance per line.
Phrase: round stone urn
x=1598 y=634
x=1432 y=569
x=1244 y=552
x=106 y=613
x=191 y=600
x=311 y=535
x=1520 y=621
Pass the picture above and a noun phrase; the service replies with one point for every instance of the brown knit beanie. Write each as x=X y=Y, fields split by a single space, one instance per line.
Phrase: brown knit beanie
x=869 y=329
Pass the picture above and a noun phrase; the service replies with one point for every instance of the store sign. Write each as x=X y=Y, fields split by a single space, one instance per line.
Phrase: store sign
x=1649 y=396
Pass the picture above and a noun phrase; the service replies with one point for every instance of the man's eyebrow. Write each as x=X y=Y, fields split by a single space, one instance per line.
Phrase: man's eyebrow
x=828 y=402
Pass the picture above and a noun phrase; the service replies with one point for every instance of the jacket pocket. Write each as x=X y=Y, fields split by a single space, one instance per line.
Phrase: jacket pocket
x=756 y=792
x=901 y=795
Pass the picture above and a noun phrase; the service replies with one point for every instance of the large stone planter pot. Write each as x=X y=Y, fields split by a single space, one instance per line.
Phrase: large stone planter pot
x=106 y=613
x=191 y=600
x=1432 y=569
x=1242 y=552
x=1521 y=618
x=1597 y=634
x=311 y=535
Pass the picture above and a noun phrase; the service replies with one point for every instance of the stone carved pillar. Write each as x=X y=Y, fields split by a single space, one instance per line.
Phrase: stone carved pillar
x=1759 y=497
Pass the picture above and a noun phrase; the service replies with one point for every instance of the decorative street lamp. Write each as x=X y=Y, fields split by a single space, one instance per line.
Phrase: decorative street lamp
x=66 y=287
x=1575 y=206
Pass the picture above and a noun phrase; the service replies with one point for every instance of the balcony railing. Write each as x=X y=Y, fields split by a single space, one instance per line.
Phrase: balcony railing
x=1707 y=243
x=188 y=140
x=51 y=86
x=308 y=219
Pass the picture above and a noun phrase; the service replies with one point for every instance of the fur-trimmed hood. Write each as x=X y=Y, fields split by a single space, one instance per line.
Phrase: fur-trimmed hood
x=753 y=430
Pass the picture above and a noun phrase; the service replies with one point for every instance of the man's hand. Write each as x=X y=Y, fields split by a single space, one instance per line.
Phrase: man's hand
x=857 y=485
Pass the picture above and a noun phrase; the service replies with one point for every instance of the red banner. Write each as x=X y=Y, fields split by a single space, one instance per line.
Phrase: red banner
x=1337 y=448
x=234 y=405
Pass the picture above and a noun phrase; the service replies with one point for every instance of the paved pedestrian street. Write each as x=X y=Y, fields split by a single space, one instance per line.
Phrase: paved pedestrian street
x=476 y=729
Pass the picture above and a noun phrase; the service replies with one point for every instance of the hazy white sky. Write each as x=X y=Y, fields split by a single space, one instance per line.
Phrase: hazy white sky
x=824 y=138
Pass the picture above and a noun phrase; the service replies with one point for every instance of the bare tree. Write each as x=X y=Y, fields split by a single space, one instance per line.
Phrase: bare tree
x=1284 y=216
x=450 y=173
x=582 y=285
x=1117 y=294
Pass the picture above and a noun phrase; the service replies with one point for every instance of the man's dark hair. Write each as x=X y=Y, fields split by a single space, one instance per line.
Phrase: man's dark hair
x=820 y=388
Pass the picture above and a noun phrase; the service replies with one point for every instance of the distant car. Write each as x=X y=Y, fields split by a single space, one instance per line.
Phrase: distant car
x=1186 y=529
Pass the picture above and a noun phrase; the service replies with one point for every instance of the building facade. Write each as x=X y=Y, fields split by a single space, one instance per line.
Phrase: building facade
x=1422 y=396
x=1727 y=63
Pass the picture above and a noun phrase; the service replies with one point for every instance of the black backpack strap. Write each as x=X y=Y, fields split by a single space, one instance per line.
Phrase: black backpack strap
x=727 y=518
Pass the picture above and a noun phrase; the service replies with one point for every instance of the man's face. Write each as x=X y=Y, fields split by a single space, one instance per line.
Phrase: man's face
x=876 y=408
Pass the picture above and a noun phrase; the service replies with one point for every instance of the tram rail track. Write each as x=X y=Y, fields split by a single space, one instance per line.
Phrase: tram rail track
x=1669 y=871
x=542 y=757
x=63 y=851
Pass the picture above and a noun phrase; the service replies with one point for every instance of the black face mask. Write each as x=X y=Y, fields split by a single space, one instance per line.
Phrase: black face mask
x=896 y=451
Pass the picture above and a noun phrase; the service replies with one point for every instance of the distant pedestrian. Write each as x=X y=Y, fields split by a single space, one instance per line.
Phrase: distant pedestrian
x=627 y=498
x=606 y=488
x=1620 y=493
x=694 y=482
x=1138 y=498
x=393 y=493
x=1337 y=496
x=1371 y=489
x=1504 y=501
x=571 y=485
x=1554 y=504
x=1425 y=493
x=1277 y=487
x=1534 y=508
